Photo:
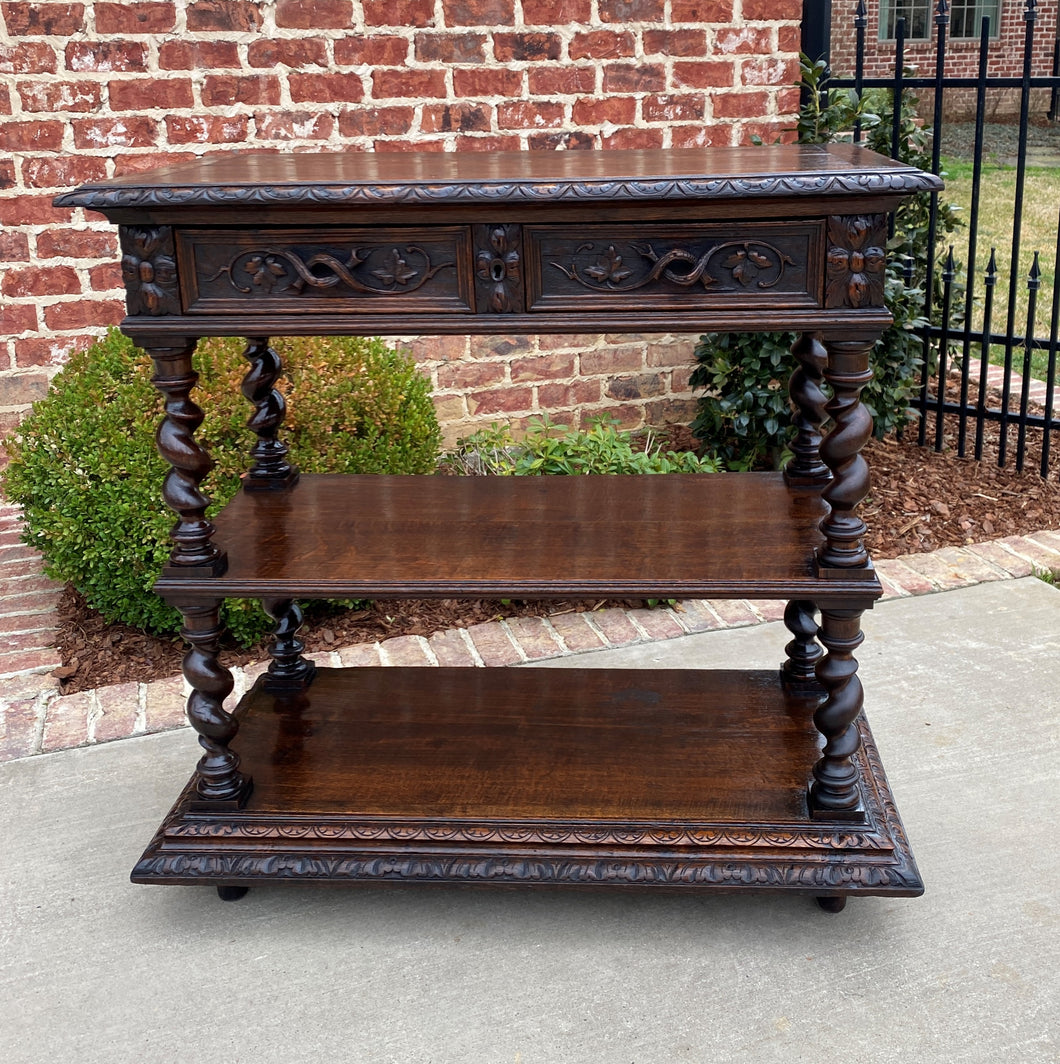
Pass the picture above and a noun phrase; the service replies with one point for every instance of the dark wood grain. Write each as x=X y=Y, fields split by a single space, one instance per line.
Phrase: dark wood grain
x=647 y=778
x=524 y=537
x=771 y=172
x=618 y=319
x=511 y=745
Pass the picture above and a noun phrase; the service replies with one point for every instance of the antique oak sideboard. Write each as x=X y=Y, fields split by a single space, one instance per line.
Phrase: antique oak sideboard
x=719 y=780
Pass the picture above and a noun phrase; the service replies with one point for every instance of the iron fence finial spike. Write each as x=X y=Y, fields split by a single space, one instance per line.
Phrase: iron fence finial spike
x=991 y=267
x=942 y=13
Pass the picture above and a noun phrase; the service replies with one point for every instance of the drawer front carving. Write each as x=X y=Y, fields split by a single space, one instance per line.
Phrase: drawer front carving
x=669 y=267
x=406 y=270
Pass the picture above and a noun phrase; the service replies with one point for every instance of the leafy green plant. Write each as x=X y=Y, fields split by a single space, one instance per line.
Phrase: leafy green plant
x=549 y=449
x=85 y=470
x=744 y=416
x=824 y=114
x=744 y=412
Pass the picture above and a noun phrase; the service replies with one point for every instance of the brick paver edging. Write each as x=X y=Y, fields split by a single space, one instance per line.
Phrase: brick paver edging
x=35 y=718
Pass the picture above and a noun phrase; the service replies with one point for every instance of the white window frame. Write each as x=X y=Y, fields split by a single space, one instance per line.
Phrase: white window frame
x=919 y=18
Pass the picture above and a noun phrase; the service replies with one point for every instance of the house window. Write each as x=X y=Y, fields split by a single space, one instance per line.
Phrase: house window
x=917 y=15
x=966 y=17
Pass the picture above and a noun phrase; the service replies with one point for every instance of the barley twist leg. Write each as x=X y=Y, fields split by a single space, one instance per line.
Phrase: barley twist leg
x=834 y=792
x=289 y=669
x=809 y=400
x=847 y=373
x=219 y=779
x=803 y=652
x=188 y=461
x=271 y=471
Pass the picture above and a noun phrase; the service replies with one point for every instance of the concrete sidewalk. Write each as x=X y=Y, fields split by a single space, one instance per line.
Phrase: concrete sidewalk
x=962 y=696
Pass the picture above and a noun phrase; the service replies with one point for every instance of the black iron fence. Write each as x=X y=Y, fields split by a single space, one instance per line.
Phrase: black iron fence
x=989 y=374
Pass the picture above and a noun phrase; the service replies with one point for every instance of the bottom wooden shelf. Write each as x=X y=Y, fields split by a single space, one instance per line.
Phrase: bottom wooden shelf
x=625 y=778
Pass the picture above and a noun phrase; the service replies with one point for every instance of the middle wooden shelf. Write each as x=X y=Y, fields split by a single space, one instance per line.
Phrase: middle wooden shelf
x=724 y=535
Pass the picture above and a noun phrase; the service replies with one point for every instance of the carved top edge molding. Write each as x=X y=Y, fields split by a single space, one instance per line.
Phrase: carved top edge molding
x=99 y=198
x=508 y=177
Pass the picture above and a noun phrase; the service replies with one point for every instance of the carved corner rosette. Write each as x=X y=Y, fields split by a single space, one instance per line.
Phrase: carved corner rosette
x=149 y=269
x=498 y=267
x=751 y=264
x=264 y=271
x=857 y=260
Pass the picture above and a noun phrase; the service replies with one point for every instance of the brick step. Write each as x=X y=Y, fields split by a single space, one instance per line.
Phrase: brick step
x=1037 y=391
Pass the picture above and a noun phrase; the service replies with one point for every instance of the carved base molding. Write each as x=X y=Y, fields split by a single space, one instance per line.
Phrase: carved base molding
x=279 y=837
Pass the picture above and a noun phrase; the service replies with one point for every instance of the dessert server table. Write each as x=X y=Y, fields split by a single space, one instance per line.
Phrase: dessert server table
x=732 y=779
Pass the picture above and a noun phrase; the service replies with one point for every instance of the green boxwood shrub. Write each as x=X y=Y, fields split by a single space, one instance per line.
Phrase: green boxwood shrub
x=84 y=468
x=744 y=416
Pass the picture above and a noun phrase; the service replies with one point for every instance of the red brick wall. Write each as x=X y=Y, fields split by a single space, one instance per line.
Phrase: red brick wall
x=962 y=55
x=93 y=90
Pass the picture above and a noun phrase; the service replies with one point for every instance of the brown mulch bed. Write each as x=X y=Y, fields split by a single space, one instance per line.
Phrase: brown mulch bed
x=920 y=500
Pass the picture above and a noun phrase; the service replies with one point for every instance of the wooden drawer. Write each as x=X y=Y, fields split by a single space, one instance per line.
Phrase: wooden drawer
x=665 y=267
x=501 y=269
x=404 y=270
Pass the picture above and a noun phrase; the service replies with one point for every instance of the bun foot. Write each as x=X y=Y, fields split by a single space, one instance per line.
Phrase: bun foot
x=830 y=905
x=235 y=893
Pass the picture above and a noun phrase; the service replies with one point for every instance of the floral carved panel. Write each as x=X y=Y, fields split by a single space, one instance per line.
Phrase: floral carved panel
x=697 y=265
x=405 y=269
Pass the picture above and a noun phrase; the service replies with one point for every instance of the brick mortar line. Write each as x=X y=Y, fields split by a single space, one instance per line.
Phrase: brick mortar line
x=52 y=722
x=506 y=628
x=550 y=628
x=428 y=650
x=37 y=614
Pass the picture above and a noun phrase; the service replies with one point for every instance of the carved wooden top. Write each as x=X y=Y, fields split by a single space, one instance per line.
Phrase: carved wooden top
x=307 y=180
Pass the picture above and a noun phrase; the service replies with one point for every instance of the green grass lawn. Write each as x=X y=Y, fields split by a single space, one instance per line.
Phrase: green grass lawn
x=1041 y=203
